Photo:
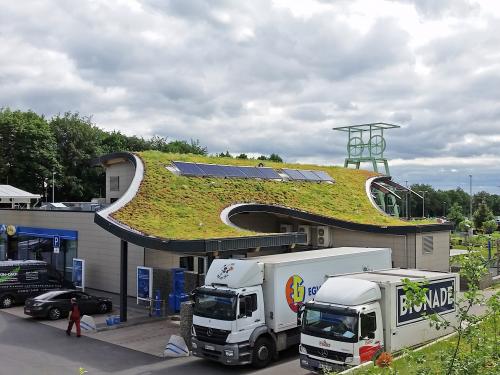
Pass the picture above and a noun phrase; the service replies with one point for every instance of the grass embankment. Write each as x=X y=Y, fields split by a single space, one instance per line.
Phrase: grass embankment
x=433 y=359
x=180 y=207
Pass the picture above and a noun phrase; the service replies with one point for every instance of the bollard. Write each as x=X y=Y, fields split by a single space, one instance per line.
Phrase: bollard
x=186 y=322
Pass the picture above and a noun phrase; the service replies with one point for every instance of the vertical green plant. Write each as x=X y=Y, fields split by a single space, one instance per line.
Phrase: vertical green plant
x=472 y=269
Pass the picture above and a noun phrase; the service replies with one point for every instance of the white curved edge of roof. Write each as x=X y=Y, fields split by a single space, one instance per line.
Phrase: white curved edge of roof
x=126 y=197
x=368 y=186
x=226 y=219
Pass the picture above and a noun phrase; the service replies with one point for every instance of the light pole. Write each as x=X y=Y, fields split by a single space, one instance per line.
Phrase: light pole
x=53 y=175
x=407 y=196
x=470 y=196
x=423 y=201
x=8 y=170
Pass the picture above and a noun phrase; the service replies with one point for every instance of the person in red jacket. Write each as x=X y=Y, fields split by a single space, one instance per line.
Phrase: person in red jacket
x=74 y=317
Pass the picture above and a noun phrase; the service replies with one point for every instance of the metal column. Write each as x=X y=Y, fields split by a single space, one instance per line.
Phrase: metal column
x=123 y=280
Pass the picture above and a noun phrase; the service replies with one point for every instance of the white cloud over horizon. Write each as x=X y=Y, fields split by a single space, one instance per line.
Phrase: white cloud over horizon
x=271 y=76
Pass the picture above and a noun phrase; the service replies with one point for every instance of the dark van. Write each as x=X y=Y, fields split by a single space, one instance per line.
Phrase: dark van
x=21 y=279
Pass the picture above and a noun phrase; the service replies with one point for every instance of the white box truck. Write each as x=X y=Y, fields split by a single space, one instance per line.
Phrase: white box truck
x=247 y=310
x=355 y=317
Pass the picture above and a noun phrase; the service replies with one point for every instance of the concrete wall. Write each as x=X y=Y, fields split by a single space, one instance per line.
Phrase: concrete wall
x=401 y=257
x=439 y=259
x=99 y=248
x=160 y=259
x=125 y=171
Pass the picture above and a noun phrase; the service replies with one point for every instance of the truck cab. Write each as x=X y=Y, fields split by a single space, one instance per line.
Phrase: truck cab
x=227 y=316
x=342 y=326
x=354 y=317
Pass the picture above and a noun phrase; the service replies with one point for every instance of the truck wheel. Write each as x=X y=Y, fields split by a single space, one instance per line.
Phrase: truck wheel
x=262 y=353
x=54 y=313
x=6 y=301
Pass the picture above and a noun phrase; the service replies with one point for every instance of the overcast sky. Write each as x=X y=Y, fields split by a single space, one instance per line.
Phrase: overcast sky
x=265 y=76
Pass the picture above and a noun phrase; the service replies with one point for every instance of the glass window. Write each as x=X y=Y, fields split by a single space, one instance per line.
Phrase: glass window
x=368 y=325
x=114 y=183
x=215 y=305
x=332 y=324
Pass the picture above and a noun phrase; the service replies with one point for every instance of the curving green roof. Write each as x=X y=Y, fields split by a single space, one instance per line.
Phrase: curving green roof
x=179 y=207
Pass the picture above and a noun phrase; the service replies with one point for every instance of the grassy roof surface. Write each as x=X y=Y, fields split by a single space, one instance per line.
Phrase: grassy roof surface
x=179 y=207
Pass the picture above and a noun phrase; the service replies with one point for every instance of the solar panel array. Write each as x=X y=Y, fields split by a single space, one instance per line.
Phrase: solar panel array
x=216 y=170
x=306 y=175
x=232 y=171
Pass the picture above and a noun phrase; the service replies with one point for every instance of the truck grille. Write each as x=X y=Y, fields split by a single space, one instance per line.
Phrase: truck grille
x=212 y=335
x=327 y=354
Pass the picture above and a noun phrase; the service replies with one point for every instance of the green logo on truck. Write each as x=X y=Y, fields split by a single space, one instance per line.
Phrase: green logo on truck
x=9 y=276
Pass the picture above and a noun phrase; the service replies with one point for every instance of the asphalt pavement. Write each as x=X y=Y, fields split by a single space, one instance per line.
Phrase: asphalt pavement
x=30 y=348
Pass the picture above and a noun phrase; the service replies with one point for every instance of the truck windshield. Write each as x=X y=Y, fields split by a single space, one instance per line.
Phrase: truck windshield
x=340 y=325
x=215 y=305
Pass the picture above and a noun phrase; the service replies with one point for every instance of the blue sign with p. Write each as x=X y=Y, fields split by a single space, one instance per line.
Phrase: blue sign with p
x=57 y=242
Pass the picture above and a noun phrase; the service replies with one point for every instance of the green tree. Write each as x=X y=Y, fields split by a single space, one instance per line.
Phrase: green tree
x=224 y=155
x=262 y=157
x=276 y=158
x=482 y=214
x=78 y=142
x=464 y=225
x=472 y=269
x=455 y=214
x=28 y=150
x=242 y=156
x=489 y=226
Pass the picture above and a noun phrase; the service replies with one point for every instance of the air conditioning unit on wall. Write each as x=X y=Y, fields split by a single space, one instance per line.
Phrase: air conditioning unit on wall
x=286 y=228
x=307 y=230
x=322 y=236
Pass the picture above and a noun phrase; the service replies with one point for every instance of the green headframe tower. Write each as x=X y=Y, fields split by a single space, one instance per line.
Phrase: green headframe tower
x=366 y=143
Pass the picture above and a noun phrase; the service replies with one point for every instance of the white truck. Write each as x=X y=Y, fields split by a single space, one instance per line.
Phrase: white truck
x=355 y=317
x=247 y=310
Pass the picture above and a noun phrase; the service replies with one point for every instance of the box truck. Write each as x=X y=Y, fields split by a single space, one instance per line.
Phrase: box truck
x=247 y=310
x=353 y=318
x=20 y=279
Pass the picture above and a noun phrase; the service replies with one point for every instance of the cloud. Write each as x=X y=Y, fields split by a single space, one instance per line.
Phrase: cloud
x=269 y=76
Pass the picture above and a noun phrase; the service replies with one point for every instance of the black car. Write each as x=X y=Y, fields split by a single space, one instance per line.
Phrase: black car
x=57 y=304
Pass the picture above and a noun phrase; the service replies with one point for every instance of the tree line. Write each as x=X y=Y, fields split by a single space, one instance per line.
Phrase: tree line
x=455 y=206
x=35 y=149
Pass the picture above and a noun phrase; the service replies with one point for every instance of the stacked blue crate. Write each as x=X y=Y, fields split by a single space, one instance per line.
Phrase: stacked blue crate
x=177 y=296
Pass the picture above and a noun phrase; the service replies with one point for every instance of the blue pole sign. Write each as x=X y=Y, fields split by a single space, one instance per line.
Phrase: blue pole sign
x=144 y=283
x=56 y=241
x=78 y=277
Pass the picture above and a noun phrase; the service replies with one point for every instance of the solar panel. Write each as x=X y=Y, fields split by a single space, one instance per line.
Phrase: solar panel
x=212 y=170
x=294 y=174
x=252 y=172
x=324 y=176
x=188 y=169
x=232 y=171
x=269 y=173
x=310 y=175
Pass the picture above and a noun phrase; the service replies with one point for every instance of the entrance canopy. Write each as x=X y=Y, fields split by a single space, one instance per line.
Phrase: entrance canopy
x=15 y=197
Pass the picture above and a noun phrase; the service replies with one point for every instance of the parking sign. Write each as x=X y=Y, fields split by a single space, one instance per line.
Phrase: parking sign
x=56 y=243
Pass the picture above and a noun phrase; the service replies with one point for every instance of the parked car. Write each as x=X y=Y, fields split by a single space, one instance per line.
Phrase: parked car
x=20 y=279
x=57 y=304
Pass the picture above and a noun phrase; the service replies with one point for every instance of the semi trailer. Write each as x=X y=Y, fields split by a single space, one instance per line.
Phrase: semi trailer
x=247 y=310
x=353 y=318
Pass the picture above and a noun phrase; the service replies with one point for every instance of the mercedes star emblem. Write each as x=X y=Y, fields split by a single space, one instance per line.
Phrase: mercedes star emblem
x=209 y=332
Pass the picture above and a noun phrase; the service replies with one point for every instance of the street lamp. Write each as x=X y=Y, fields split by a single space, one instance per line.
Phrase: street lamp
x=8 y=170
x=53 y=175
x=423 y=201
